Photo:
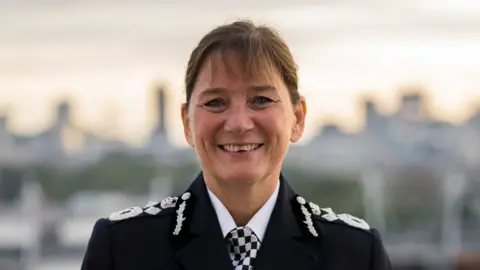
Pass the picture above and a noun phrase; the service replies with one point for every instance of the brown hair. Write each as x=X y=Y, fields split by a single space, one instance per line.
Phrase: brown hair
x=260 y=50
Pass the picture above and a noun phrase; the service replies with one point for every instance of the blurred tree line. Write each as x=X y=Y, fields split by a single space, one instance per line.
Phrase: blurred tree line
x=133 y=174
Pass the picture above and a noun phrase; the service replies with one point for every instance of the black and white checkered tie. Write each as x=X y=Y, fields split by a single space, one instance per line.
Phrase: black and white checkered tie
x=243 y=246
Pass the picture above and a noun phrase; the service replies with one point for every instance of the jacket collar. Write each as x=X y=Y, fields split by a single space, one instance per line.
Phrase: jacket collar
x=200 y=245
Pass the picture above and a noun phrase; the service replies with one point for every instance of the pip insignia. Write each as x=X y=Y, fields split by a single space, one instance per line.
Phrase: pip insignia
x=153 y=210
x=150 y=208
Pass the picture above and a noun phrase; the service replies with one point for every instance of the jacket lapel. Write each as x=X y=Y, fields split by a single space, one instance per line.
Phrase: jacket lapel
x=286 y=245
x=200 y=244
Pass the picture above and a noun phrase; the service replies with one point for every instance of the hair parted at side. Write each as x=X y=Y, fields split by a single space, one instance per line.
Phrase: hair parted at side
x=259 y=49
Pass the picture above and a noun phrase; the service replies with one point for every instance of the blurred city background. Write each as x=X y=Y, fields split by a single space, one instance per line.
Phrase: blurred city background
x=90 y=93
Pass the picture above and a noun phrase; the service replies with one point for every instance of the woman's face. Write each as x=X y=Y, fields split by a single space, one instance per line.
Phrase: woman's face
x=240 y=128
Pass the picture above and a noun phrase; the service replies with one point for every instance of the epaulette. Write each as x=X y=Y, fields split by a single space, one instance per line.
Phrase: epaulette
x=310 y=210
x=152 y=208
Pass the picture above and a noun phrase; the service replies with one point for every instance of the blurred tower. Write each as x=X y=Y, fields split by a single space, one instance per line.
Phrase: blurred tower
x=375 y=123
x=53 y=141
x=158 y=141
x=411 y=106
x=160 y=111
x=63 y=115
x=370 y=114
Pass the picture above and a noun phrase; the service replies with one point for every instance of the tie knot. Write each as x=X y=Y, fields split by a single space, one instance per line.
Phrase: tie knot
x=241 y=233
x=243 y=247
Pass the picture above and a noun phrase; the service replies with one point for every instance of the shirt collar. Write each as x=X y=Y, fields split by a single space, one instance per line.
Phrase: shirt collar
x=259 y=221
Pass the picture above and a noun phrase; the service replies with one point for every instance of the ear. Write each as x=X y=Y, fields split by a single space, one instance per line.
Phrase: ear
x=186 y=125
x=300 y=112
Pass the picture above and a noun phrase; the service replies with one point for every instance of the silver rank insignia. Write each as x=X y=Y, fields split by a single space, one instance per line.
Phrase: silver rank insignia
x=328 y=214
x=150 y=208
x=308 y=216
x=126 y=213
x=180 y=217
x=169 y=202
x=354 y=221
x=153 y=210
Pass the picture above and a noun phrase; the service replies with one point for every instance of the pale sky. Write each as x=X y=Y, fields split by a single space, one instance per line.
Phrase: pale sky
x=106 y=55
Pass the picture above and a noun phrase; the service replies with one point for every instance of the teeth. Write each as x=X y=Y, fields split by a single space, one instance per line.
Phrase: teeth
x=237 y=148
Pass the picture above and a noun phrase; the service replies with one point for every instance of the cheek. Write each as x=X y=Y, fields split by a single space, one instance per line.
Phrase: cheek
x=277 y=124
x=203 y=126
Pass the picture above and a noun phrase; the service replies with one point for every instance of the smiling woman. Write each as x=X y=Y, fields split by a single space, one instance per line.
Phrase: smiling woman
x=242 y=111
x=242 y=93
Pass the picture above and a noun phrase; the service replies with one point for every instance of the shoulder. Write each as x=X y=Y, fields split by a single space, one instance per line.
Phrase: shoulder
x=350 y=234
x=128 y=227
x=327 y=218
x=153 y=209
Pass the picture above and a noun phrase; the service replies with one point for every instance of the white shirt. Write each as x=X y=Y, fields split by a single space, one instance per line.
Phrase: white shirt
x=259 y=221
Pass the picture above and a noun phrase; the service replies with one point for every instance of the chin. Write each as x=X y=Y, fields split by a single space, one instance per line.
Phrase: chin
x=244 y=175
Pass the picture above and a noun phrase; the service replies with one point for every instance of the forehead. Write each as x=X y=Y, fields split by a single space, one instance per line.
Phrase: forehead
x=222 y=69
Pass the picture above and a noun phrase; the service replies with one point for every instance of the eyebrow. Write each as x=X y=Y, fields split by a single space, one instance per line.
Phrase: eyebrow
x=256 y=88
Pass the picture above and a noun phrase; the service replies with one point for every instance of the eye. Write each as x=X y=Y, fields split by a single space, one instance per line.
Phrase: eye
x=215 y=105
x=261 y=102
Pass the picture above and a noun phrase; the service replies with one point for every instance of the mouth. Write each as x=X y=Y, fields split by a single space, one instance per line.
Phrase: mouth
x=240 y=148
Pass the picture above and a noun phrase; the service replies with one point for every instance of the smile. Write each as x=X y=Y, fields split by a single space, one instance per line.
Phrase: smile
x=235 y=148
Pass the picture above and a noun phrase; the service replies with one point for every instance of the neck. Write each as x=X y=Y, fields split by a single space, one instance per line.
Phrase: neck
x=243 y=201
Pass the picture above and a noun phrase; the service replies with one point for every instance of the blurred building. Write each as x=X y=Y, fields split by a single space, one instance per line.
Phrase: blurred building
x=410 y=136
x=50 y=145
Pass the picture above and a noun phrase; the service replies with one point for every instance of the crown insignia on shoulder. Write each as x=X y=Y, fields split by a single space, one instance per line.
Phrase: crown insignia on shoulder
x=169 y=202
x=151 y=208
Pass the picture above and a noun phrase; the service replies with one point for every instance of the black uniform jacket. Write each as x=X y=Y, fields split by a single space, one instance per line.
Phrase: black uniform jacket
x=184 y=233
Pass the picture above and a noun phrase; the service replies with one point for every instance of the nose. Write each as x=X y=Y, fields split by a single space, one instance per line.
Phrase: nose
x=239 y=120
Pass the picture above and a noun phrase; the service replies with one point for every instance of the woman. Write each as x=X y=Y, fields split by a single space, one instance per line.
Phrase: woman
x=242 y=111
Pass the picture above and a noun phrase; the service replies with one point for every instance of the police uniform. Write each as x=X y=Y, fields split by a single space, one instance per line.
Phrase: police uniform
x=184 y=233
